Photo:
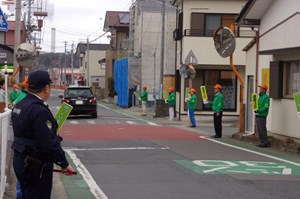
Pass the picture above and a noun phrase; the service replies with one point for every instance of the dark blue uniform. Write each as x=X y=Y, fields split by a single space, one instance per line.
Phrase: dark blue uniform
x=36 y=147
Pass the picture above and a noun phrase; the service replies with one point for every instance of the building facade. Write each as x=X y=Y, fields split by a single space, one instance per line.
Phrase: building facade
x=196 y=23
x=273 y=58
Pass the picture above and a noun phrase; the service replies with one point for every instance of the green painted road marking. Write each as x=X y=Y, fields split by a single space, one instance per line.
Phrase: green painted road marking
x=75 y=186
x=241 y=167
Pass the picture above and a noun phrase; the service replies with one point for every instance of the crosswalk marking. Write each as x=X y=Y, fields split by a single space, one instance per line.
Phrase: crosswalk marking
x=91 y=121
x=131 y=122
x=74 y=122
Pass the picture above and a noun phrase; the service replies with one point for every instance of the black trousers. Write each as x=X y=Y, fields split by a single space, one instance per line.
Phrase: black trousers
x=33 y=186
x=218 y=123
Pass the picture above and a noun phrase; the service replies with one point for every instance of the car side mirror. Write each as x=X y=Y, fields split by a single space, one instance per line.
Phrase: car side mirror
x=60 y=96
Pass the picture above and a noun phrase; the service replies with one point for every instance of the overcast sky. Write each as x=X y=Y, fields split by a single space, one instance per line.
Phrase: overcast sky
x=75 y=20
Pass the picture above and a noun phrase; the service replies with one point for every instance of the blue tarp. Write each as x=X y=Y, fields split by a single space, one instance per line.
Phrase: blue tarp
x=121 y=81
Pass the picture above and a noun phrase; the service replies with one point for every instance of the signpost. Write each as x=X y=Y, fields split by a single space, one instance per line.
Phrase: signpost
x=203 y=92
x=2 y=55
x=254 y=101
x=297 y=102
x=62 y=114
x=3 y=22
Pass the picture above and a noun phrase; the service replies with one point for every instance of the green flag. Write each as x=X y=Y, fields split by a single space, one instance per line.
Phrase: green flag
x=62 y=114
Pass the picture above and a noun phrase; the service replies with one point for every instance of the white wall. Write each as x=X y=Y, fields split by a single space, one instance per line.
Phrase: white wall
x=151 y=43
x=286 y=26
x=279 y=11
x=205 y=52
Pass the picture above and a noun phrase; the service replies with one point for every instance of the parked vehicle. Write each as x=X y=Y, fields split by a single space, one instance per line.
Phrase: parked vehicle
x=82 y=99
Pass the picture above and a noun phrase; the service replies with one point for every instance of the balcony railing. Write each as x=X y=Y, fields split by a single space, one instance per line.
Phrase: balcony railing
x=209 y=33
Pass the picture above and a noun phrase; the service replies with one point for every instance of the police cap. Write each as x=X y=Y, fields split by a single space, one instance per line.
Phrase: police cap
x=38 y=79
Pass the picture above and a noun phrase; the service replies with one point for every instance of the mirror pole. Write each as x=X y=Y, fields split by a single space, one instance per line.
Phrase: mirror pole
x=241 y=129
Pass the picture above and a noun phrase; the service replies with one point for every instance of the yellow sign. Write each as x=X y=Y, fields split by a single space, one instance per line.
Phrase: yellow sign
x=254 y=101
x=165 y=95
x=203 y=92
x=265 y=76
x=187 y=92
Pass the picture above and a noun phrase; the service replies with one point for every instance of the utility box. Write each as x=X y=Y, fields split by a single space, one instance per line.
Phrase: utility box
x=161 y=108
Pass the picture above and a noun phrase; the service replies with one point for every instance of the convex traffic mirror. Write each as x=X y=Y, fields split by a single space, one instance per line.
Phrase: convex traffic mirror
x=224 y=41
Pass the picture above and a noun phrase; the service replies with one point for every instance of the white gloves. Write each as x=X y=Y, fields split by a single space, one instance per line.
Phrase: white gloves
x=186 y=99
x=166 y=101
x=140 y=99
x=205 y=101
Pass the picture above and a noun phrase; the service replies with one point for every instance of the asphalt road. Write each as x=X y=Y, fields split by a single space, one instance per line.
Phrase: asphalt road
x=121 y=155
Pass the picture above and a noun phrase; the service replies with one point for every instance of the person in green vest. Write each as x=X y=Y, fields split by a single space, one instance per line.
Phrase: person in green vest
x=22 y=92
x=261 y=115
x=14 y=93
x=192 y=104
x=217 y=108
x=144 y=99
x=171 y=102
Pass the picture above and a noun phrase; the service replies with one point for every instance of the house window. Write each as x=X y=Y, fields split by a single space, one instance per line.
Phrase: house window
x=228 y=81
x=209 y=78
x=291 y=78
x=206 y=24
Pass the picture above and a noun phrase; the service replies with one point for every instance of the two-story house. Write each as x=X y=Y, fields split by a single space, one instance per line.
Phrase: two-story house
x=89 y=54
x=117 y=24
x=196 y=23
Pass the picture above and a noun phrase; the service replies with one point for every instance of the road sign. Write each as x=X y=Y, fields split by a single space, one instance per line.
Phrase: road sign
x=191 y=59
x=2 y=55
x=3 y=22
x=8 y=2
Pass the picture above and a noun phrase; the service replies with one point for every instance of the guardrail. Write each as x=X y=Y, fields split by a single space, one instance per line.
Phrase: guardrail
x=4 y=131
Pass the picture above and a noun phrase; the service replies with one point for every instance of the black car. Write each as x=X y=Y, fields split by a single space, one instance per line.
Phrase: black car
x=82 y=99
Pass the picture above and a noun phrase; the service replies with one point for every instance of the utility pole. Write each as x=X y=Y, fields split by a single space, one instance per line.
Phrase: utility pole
x=162 y=51
x=88 y=62
x=65 y=68
x=17 y=37
x=72 y=65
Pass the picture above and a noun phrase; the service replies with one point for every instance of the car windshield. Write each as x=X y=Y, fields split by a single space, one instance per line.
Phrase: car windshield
x=79 y=92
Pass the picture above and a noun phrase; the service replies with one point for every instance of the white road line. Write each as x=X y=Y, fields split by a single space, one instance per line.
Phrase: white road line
x=131 y=123
x=250 y=151
x=94 y=188
x=91 y=121
x=148 y=122
x=116 y=149
x=74 y=122
x=287 y=171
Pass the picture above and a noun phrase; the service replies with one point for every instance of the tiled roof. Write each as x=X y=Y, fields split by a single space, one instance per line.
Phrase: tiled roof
x=116 y=19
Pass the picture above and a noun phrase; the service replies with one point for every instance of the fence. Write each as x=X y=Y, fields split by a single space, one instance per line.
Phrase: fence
x=4 y=130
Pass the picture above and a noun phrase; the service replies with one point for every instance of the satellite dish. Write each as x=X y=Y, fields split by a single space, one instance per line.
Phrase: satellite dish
x=191 y=72
x=25 y=54
x=183 y=71
x=224 y=40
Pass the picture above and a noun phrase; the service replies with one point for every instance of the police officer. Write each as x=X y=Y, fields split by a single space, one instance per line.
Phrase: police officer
x=36 y=143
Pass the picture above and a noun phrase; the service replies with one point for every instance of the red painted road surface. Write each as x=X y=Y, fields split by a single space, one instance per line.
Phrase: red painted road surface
x=124 y=132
